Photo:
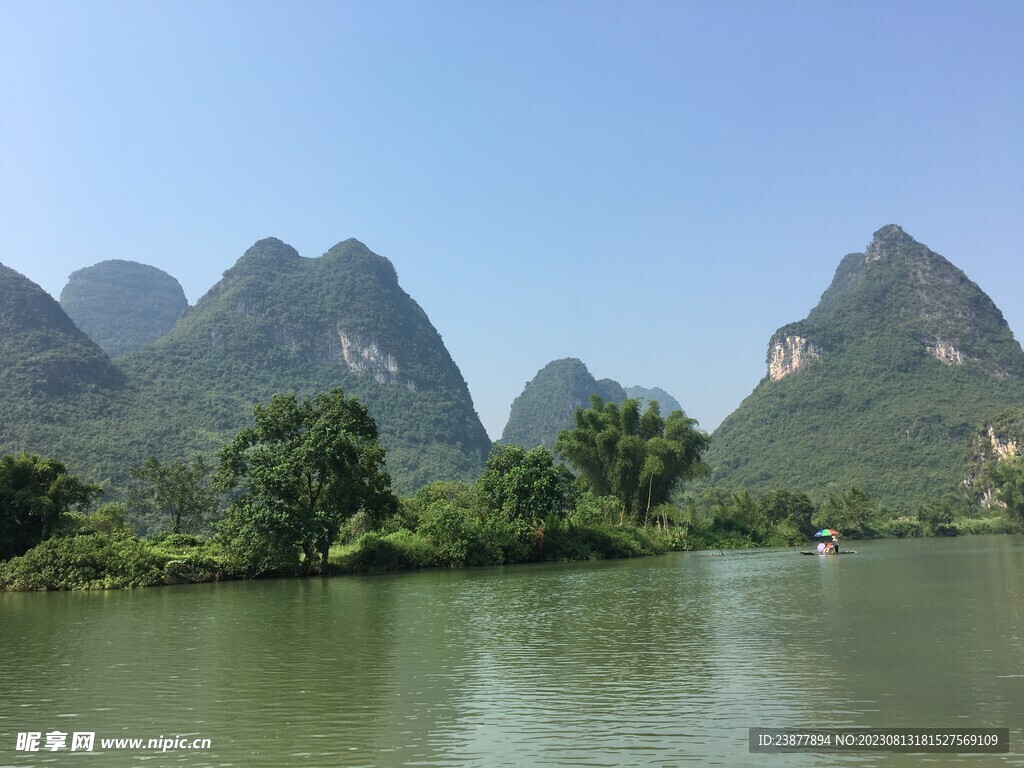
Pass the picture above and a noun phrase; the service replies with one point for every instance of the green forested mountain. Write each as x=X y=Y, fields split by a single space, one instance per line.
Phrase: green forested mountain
x=123 y=305
x=55 y=382
x=43 y=353
x=881 y=386
x=548 y=401
x=665 y=401
x=275 y=323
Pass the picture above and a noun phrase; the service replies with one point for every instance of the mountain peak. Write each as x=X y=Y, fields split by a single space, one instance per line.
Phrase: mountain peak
x=548 y=401
x=352 y=253
x=123 y=305
x=900 y=358
x=887 y=239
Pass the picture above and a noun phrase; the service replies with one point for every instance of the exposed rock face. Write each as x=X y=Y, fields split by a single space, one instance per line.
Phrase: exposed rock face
x=1003 y=446
x=788 y=353
x=281 y=322
x=998 y=439
x=945 y=352
x=362 y=356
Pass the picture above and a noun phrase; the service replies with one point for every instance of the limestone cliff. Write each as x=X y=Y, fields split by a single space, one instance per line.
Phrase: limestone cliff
x=788 y=352
x=997 y=439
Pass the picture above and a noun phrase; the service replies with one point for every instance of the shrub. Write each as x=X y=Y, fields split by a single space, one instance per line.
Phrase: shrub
x=598 y=542
x=452 y=531
x=192 y=568
x=595 y=510
x=783 y=534
x=902 y=528
x=969 y=526
x=89 y=561
x=174 y=541
x=394 y=551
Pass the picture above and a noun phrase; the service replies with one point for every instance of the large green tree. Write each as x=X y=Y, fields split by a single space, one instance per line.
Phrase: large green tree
x=35 y=494
x=179 y=493
x=638 y=458
x=852 y=512
x=299 y=473
x=526 y=486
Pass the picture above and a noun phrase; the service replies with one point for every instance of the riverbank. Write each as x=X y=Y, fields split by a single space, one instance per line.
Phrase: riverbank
x=92 y=561
x=98 y=561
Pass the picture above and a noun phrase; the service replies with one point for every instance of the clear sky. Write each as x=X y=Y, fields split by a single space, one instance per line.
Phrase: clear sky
x=653 y=187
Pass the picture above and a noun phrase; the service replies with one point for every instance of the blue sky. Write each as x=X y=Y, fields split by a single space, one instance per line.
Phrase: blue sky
x=653 y=187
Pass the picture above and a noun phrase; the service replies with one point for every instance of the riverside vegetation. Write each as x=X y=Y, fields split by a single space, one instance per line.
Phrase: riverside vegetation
x=304 y=492
x=861 y=424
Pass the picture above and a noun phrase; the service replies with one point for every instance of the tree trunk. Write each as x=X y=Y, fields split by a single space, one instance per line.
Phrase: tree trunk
x=650 y=487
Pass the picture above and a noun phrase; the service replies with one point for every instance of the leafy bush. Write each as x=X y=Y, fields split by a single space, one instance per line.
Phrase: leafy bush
x=784 y=534
x=394 y=551
x=172 y=541
x=89 y=561
x=595 y=510
x=192 y=568
x=251 y=547
x=597 y=542
x=902 y=528
x=970 y=526
x=452 y=530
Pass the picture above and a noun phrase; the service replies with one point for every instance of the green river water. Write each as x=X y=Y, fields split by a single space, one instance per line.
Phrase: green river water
x=651 y=662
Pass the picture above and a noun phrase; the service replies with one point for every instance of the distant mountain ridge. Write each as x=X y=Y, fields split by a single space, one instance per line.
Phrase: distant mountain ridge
x=880 y=386
x=665 y=401
x=547 y=403
x=276 y=322
x=123 y=305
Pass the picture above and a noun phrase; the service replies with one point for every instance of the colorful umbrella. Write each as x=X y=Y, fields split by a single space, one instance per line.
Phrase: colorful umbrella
x=827 y=532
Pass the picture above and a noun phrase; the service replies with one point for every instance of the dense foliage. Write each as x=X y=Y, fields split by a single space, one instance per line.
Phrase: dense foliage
x=638 y=459
x=177 y=497
x=302 y=471
x=998 y=438
x=35 y=496
x=123 y=305
x=645 y=395
x=44 y=357
x=1008 y=479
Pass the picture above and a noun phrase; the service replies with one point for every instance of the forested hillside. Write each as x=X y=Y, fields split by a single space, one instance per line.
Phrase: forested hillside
x=123 y=305
x=880 y=387
x=276 y=322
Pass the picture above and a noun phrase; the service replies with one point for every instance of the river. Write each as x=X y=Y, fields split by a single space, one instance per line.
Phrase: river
x=651 y=662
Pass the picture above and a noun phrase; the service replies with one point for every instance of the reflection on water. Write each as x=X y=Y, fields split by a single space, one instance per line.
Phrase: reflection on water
x=659 y=661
